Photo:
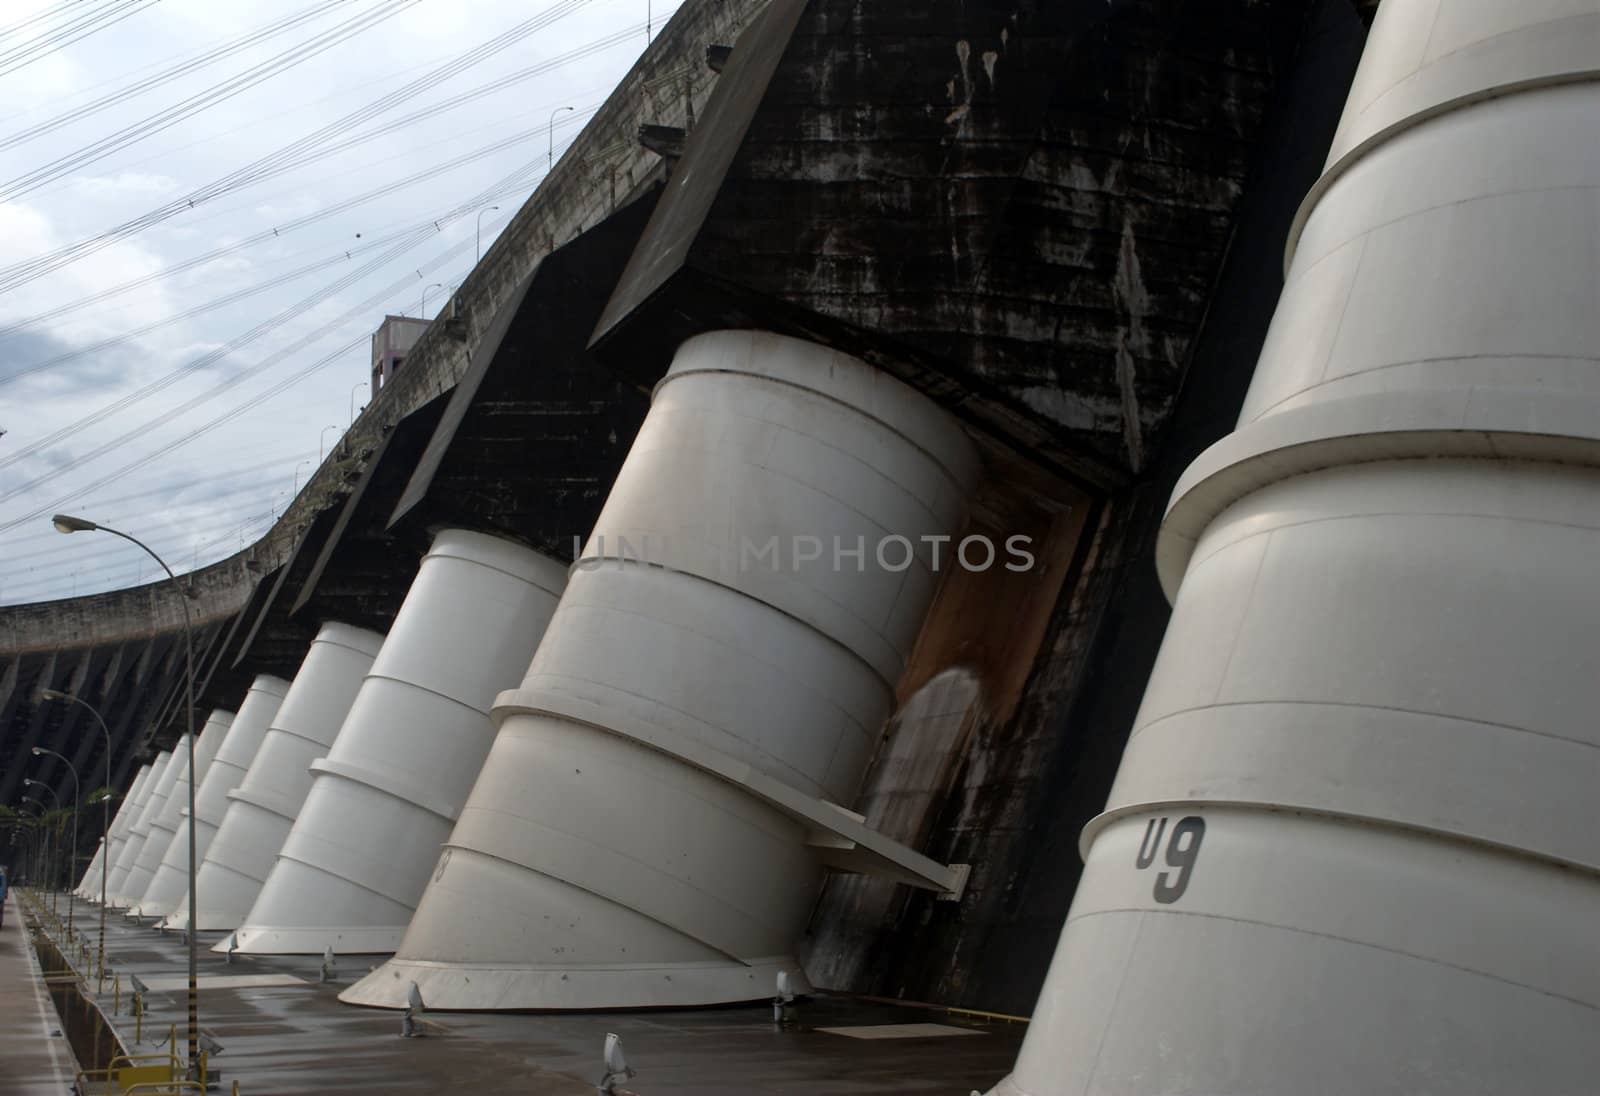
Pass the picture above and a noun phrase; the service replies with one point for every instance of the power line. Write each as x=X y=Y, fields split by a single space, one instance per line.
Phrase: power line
x=19 y=57
x=283 y=386
x=218 y=93
x=498 y=84
x=44 y=14
x=169 y=151
x=364 y=308
x=126 y=561
x=204 y=60
x=277 y=232
x=198 y=310
x=214 y=357
x=404 y=243
x=19 y=273
x=166 y=490
x=253 y=488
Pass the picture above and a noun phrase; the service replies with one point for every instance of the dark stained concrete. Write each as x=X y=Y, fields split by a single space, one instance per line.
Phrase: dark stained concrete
x=1017 y=207
x=1027 y=786
x=295 y=1039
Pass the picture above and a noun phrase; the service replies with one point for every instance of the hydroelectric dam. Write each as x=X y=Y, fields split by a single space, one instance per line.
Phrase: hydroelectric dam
x=1072 y=522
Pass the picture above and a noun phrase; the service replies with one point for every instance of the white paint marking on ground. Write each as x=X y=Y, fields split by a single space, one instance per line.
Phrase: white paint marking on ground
x=899 y=1031
x=48 y=1020
x=172 y=983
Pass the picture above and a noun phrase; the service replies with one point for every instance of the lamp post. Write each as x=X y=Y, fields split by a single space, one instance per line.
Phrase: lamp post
x=297 y=468
x=359 y=384
x=422 y=309
x=105 y=826
x=552 y=135
x=27 y=854
x=321 y=437
x=65 y=523
x=49 y=856
x=481 y=212
x=41 y=840
x=77 y=796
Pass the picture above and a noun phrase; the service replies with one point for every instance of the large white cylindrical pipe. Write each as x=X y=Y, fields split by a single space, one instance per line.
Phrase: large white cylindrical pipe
x=383 y=801
x=156 y=833
x=599 y=862
x=1351 y=847
x=168 y=891
x=89 y=887
x=93 y=869
x=263 y=807
x=165 y=825
x=132 y=809
x=154 y=797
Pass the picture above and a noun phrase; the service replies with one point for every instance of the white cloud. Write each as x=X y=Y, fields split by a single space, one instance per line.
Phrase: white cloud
x=135 y=184
x=183 y=502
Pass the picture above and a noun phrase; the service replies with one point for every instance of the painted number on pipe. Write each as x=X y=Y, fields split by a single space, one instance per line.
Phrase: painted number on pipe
x=1183 y=849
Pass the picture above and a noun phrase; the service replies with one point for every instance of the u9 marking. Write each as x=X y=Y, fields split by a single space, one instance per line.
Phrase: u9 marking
x=1183 y=849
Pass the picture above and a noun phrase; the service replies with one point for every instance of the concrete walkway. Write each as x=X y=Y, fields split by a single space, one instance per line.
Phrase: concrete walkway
x=286 y=1034
x=34 y=1057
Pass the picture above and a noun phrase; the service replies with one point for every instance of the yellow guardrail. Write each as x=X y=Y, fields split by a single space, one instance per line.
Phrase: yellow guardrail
x=1000 y=1017
x=128 y=1070
x=159 y=1073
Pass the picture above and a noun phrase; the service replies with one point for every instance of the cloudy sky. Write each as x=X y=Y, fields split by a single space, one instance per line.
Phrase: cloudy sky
x=255 y=169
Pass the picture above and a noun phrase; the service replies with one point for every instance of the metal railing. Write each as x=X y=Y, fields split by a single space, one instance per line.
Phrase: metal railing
x=156 y=1073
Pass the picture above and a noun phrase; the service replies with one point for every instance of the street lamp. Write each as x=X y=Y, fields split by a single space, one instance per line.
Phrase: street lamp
x=43 y=840
x=297 y=468
x=481 y=212
x=422 y=309
x=320 y=440
x=77 y=794
x=552 y=135
x=49 y=858
x=105 y=824
x=361 y=384
x=65 y=523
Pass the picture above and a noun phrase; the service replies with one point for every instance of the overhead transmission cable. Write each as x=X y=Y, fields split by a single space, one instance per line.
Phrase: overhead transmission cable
x=577 y=53
x=499 y=84
x=276 y=232
x=281 y=386
x=403 y=241
x=165 y=490
x=222 y=51
x=230 y=499
x=75 y=30
x=19 y=273
x=233 y=381
x=213 y=357
x=44 y=14
x=298 y=54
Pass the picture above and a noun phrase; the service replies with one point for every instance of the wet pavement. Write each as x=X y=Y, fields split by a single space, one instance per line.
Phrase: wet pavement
x=34 y=1057
x=284 y=1034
